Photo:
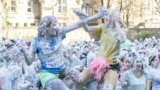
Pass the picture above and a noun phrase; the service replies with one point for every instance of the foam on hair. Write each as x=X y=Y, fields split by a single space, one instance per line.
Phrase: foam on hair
x=45 y=22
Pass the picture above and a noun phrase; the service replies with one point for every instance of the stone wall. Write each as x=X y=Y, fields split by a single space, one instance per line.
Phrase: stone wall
x=80 y=34
x=133 y=32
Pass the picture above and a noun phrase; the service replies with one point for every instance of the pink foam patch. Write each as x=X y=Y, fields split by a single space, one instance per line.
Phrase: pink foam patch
x=98 y=66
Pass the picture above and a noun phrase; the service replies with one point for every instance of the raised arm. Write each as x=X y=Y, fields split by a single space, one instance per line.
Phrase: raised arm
x=84 y=17
x=29 y=55
x=83 y=22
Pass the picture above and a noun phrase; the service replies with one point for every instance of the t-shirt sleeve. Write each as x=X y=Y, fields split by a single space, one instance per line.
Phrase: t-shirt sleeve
x=99 y=30
x=152 y=75
x=33 y=47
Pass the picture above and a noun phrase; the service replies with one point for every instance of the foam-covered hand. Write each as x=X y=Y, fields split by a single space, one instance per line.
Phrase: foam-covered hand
x=80 y=14
x=104 y=12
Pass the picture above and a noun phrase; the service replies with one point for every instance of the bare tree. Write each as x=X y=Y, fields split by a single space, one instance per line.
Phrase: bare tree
x=121 y=5
x=157 y=6
x=108 y=4
x=127 y=10
x=130 y=9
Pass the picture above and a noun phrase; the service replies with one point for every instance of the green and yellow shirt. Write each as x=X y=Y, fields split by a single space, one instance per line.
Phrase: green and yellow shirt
x=109 y=45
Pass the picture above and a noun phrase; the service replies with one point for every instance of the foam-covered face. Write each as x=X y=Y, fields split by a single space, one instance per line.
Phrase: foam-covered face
x=53 y=28
x=109 y=20
x=112 y=19
x=138 y=64
x=127 y=63
x=156 y=62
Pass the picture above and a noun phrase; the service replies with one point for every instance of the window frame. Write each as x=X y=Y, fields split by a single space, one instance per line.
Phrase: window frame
x=29 y=6
x=62 y=6
x=13 y=7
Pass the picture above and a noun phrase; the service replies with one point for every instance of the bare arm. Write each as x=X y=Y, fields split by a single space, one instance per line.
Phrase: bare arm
x=29 y=58
x=83 y=23
x=85 y=18
x=72 y=27
x=121 y=34
x=91 y=28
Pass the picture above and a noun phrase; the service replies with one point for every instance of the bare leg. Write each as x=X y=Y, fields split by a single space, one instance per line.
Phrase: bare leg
x=84 y=78
x=110 y=79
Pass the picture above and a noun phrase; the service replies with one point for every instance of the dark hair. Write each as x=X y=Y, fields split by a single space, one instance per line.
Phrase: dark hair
x=13 y=41
x=152 y=58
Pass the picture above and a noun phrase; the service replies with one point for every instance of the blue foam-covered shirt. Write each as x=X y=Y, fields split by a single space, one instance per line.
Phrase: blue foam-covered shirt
x=49 y=52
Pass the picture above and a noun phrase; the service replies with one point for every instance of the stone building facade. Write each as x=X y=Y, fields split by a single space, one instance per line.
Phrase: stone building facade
x=23 y=16
x=19 y=18
x=24 y=13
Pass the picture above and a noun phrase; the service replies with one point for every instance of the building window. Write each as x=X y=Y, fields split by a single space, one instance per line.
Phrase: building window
x=13 y=6
x=17 y=24
x=25 y=24
x=59 y=24
x=33 y=24
x=63 y=24
x=62 y=6
x=29 y=6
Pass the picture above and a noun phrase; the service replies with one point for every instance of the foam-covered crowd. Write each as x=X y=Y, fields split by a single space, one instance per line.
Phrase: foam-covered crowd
x=135 y=56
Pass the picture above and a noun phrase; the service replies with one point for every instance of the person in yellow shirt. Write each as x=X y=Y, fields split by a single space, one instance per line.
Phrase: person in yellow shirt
x=111 y=35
